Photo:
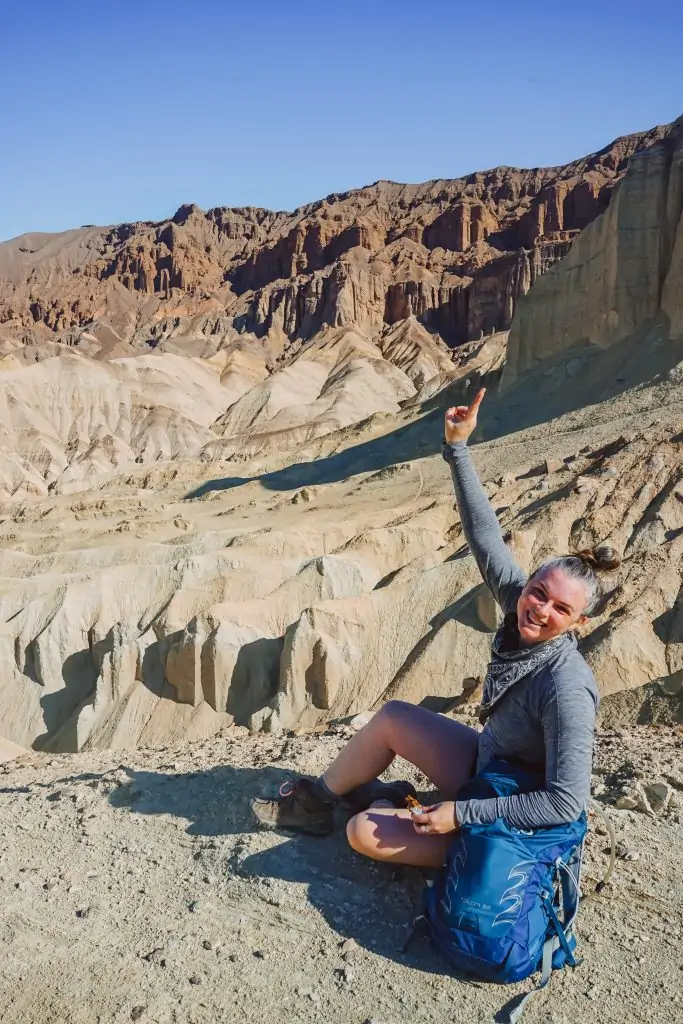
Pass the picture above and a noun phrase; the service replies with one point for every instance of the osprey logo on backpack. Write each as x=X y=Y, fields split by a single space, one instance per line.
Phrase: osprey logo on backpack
x=503 y=905
x=513 y=895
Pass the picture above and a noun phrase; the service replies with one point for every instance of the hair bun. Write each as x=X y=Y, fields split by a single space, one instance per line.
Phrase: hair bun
x=602 y=558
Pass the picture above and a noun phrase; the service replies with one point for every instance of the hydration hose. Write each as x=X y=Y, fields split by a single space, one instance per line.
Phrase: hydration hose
x=613 y=850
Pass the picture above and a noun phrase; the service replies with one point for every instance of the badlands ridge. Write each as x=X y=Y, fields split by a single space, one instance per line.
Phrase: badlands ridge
x=221 y=495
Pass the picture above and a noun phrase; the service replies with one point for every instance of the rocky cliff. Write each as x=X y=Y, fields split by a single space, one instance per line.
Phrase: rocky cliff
x=457 y=254
x=622 y=276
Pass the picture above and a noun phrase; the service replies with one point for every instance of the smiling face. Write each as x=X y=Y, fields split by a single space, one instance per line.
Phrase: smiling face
x=550 y=604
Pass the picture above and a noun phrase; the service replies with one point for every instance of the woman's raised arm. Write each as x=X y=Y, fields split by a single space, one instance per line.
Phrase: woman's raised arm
x=500 y=571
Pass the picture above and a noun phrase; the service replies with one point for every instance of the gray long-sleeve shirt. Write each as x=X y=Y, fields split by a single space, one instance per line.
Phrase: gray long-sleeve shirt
x=547 y=718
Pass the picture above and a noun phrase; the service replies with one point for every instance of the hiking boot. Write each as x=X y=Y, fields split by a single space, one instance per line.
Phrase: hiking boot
x=298 y=809
x=395 y=793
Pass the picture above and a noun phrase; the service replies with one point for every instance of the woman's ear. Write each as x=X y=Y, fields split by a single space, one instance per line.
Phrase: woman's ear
x=582 y=620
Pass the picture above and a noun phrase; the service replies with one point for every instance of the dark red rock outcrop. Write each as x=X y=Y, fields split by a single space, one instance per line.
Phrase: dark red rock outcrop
x=455 y=253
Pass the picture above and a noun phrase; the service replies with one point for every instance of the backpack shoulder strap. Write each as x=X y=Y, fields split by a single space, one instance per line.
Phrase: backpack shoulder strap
x=552 y=943
x=560 y=939
x=546 y=970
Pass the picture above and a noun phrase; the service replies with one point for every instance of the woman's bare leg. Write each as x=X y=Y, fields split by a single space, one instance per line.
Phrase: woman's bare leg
x=444 y=750
x=441 y=748
x=387 y=834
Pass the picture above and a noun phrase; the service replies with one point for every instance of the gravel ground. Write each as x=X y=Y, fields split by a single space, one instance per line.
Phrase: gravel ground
x=137 y=887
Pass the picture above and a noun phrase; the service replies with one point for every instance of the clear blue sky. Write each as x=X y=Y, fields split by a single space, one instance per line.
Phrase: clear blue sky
x=116 y=110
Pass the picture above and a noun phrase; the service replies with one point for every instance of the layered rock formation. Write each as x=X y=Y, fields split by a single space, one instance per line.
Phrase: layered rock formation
x=70 y=423
x=457 y=254
x=266 y=535
x=139 y=617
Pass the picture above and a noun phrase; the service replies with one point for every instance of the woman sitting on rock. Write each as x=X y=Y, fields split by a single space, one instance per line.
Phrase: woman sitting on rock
x=538 y=707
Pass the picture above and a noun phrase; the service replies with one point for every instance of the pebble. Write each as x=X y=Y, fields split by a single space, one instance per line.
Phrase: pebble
x=360 y=720
x=659 y=795
x=137 y=1012
x=207 y=944
x=624 y=852
x=195 y=979
x=348 y=946
x=155 y=956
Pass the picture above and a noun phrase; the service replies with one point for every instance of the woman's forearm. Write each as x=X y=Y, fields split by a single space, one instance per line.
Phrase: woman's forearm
x=541 y=808
x=480 y=526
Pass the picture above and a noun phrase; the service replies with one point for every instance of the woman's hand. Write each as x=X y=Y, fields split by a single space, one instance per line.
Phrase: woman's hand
x=462 y=419
x=436 y=820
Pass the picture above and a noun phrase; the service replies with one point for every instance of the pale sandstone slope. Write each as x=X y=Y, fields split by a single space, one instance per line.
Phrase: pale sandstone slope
x=127 y=620
x=69 y=423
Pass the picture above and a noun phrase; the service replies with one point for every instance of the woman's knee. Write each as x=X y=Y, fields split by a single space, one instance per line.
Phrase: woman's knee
x=359 y=834
x=396 y=725
x=353 y=832
x=394 y=714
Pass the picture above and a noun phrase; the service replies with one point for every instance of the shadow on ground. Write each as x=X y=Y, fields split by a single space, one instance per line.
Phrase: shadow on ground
x=412 y=441
x=372 y=903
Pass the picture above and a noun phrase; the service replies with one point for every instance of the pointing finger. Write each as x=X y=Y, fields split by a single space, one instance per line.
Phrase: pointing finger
x=478 y=399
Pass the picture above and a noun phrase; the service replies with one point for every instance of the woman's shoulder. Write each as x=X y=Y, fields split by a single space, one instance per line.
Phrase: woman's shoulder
x=568 y=674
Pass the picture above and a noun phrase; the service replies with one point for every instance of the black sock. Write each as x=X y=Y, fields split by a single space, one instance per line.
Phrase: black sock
x=361 y=797
x=324 y=794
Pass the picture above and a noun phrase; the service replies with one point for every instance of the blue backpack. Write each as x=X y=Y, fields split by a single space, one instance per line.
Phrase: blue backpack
x=504 y=903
